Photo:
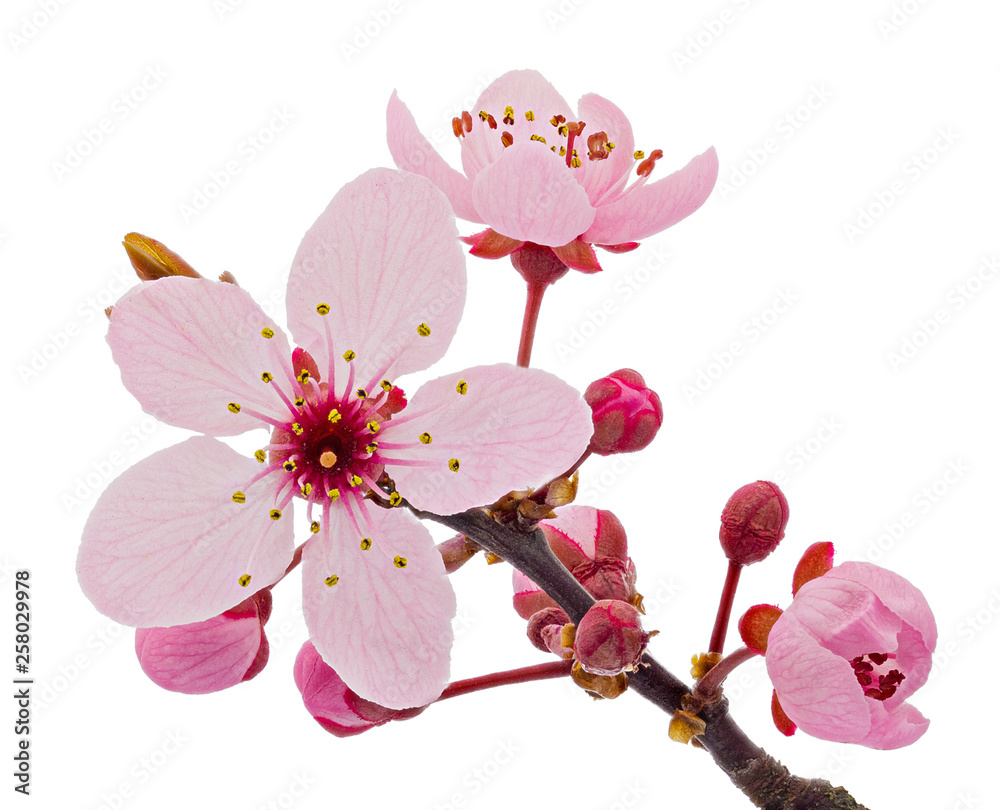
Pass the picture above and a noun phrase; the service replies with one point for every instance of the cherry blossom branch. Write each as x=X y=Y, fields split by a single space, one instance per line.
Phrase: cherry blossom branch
x=766 y=782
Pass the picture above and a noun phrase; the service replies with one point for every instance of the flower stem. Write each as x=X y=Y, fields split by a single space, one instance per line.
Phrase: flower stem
x=531 y=309
x=707 y=687
x=539 y=672
x=725 y=607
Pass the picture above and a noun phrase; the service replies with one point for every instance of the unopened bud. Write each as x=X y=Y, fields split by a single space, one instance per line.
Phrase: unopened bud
x=627 y=414
x=753 y=522
x=152 y=259
x=545 y=631
x=610 y=638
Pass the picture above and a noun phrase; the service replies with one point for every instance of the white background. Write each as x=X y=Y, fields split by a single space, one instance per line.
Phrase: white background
x=814 y=400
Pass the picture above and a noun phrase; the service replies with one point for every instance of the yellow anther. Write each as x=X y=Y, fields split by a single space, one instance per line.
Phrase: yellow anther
x=371 y=447
x=453 y=464
x=239 y=497
x=267 y=376
x=334 y=494
x=307 y=489
x=423 y=330
x=297 y=429
x=610 y=146
x=334 y=416
x=425 y=438
x=234 y=407
x=356 y=481
x=538 y=138
x=323 y=309
x=328 y=458
x=483 y=115
x=314 y=527
x=562 y=151
x=386 y=386
x=275 y=514
x=462 y=387
x=399 y=562
x=508 y=111
x=366 y=543
x=529 y=115
x=260 y=455
x=331 y=580
x=303 y=375
x=267 y=332
x=349 y=355
x=373 y=426
x=575 y=162
x=244 y=580
x=362 y=394
x=553 y=149
x=638 y=154
x=299 y=401
x=563 y=130
x=395 y=499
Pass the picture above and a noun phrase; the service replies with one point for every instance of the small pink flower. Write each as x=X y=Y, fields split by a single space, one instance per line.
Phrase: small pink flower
x=332 y=704
x=591 y=543
x=550 y=182
x=208 y=656
x=844 y=657
x=376 y=290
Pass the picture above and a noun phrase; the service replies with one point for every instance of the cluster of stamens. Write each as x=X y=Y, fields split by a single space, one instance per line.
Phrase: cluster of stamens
x=599 y=147
x=329 y=449
x=886 y=684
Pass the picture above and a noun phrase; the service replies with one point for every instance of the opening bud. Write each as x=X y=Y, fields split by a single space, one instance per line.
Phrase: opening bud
x=627 y=414
x=753 y=522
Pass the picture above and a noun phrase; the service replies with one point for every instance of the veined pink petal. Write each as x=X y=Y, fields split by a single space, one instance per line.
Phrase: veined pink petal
x=573 y=532
x=896 y=593
x=413 y=152
x=654 y=207
x=514 y=427
x=817 y=688
x=385 y=257
x=324 y=694
x=202 y=657
x=167 y=545
x=844 y=617
x=525 y=91
x=187 y=347
x=601 y=115
x=894 y=727
x=530 y=194
x=384 y=622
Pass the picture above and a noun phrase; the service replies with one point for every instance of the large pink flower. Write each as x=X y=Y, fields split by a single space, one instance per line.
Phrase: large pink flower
x=376 y=290
x=853 y=645
x=547 y=180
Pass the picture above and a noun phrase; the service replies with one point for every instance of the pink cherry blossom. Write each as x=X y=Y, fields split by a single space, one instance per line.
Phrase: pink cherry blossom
x=844 y=657
x=591 y=543
x=550 y=181
x=211 y=655
x=376 y=290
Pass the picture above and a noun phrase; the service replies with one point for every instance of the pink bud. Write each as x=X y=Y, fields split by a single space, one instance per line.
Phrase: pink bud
x=627 y=414
x=545 y=631
x=335 y=707
x=753 y=522
x=610 y=638
x=207 y=656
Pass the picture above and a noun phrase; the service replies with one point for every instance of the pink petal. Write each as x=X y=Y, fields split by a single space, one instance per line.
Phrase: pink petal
x=654 y=207
x=530 y=194
x=413 y=152
x=523 y=90
x=528 y=597
x=603 y=116
x=386 y=630
x=167 y=545
x=895 y=592
x=845 y=617
x=514 y=428
x=202 y=657
x=187 y=347
x=895 y=727
x=817 y=688
x=385 y=257
x=573 y=533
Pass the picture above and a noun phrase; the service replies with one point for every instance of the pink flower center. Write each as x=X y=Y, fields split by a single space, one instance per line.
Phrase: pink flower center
x=879 y=682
